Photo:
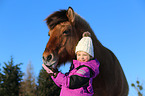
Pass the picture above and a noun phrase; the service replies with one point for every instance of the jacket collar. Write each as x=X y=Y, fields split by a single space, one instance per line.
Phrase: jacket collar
x=93 y=64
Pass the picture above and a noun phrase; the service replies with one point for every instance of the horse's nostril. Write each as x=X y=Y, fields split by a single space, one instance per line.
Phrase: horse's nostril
x=49 y=57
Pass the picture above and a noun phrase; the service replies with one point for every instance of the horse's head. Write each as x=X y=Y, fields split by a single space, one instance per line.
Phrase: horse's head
x=66 y=28
x=63 y=38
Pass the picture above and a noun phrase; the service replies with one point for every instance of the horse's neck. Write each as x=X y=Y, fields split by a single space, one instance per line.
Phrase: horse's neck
x=98 y=48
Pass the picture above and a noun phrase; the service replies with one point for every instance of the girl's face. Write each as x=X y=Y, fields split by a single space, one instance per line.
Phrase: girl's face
x=83 y=56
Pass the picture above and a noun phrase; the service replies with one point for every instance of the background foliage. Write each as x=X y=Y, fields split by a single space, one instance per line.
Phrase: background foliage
x=12 y=82
x=10 y=79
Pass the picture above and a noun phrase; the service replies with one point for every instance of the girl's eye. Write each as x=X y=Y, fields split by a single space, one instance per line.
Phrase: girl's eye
x=78 y=55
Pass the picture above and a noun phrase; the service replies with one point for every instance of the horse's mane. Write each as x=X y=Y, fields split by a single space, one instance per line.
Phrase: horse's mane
x=56 y=18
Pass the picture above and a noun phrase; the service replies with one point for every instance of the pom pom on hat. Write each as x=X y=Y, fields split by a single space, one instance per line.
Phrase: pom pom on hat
x=85 y=44
x=87 y=34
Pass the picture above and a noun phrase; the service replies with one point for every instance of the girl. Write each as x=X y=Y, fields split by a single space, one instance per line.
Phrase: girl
x=78 y=82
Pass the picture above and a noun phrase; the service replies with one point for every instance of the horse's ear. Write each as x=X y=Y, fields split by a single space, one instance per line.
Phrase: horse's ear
x=70 y=14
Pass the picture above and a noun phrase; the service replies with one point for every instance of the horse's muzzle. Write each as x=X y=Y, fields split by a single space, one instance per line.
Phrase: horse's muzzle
x=50 y=60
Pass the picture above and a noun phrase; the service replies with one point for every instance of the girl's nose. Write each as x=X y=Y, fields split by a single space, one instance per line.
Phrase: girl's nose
x=82 y=57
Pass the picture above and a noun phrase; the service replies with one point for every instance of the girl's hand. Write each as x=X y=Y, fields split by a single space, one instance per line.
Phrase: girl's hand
x=49 y=71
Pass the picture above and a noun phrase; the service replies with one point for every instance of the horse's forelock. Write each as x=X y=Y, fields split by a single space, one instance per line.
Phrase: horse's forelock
x=56 y=18
x=60 y=16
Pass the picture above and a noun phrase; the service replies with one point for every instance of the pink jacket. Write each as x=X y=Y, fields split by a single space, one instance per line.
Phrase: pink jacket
x=79 y=80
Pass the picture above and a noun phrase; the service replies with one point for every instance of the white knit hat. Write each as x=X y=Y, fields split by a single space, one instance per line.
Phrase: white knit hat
x=85 y=44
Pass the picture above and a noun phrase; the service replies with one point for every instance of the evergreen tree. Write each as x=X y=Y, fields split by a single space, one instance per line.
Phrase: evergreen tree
x=0 y=76
x=28 y=86
x=11 y=77
x=0 y=81
x=46 y=86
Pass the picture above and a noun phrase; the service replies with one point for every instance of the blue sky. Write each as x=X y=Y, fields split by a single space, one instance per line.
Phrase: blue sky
x=118 y=24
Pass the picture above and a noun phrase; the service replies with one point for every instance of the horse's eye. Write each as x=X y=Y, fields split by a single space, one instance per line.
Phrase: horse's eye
x=66 y=32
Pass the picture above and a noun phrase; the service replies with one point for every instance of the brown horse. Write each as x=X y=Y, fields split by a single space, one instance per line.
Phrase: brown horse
x=66 y=29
